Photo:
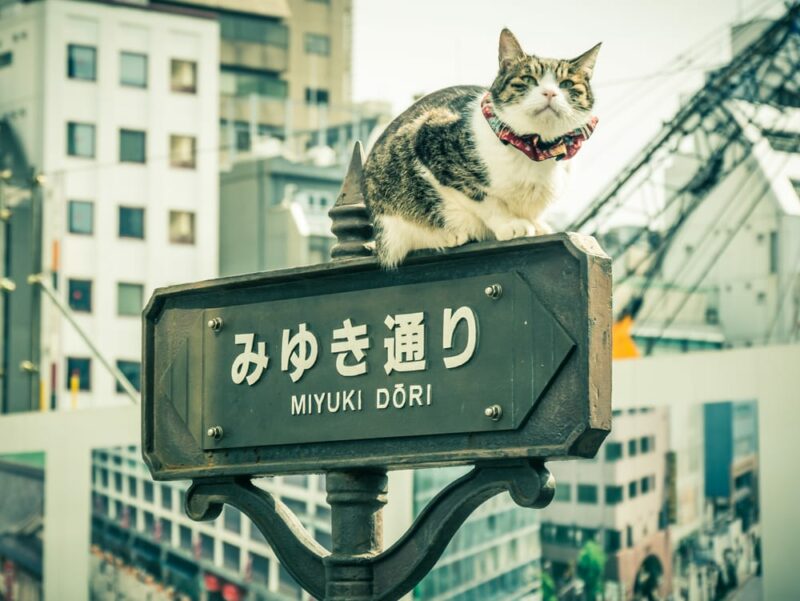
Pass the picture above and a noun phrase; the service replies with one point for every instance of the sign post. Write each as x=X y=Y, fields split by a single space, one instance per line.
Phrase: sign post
x=495 y=355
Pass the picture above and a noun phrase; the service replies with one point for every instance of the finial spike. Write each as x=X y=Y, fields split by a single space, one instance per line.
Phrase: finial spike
x=351 y=219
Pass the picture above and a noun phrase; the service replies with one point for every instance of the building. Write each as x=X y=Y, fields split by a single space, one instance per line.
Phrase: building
x=731 y=459
x=274 y=214
x=285 y=68
x=495 y=555
x=116 y=109
x=142 y=525
x=618 y=501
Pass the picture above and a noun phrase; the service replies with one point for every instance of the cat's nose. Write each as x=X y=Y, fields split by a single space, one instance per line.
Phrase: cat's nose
x=549 y=94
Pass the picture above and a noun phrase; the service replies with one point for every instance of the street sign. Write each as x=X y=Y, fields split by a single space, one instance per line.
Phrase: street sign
x=490 y=351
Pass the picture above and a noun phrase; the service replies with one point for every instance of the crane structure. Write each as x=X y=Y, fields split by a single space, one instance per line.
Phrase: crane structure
x=708 y=149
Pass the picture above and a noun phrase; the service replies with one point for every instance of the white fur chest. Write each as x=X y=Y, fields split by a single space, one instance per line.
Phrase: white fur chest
x=514 y=178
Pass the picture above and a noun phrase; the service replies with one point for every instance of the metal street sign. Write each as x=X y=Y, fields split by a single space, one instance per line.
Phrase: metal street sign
x=497 y=350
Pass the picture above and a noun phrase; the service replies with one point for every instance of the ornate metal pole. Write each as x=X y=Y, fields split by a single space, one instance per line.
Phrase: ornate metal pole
x=356 y=497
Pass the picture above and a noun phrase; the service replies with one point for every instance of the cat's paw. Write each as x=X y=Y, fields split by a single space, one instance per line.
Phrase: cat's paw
x=514 y=228
x=454 y=239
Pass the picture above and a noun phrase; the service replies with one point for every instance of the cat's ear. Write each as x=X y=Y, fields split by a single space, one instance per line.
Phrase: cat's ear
x=585 y=62
x=510 y=50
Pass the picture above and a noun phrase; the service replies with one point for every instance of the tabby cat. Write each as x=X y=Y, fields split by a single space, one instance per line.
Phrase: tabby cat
x=466 y=163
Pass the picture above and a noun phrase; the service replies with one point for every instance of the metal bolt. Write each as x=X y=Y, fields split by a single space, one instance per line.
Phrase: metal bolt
x=494 y=291
x=493 y=412
x=215 y=324
x=215 y=432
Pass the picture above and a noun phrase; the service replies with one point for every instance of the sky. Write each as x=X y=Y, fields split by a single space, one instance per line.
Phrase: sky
x=654 y=51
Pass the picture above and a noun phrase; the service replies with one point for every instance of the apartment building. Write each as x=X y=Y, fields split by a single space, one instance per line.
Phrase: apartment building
x=618 y=501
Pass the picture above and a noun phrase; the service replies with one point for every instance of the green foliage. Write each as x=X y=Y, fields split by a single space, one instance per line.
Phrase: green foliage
x=591 y=568
x=548 y=588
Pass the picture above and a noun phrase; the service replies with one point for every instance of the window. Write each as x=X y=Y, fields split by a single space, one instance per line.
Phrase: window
x=259 y=567
x=230 y=556
x=632 y=448
x=254 y=29
x=633 y=489
x=181 y=227
x=82 y=62
x=316 y=96
x=6 y=58
x=81 y=369
x=648 y=484
x=80 y=295
x=628 y=536
x=166 y=496
x=130 y=299
x=131 y=222
x=132 y=486
x=243 y=82
x=773 y=252
x=166 y=531
x=613 y=451
x=613 y=541
x=646 y=444
x=80 y=140
x=185 y=535
x=131 y=370
x=183 y=76
x=563 y=492
x=182 y=151
x=149 y=491
x=587 y=493
x=206 y=546
x=132 y=146
x=613 y=495
x=232 y=519
x=80 y=217
x=133 y=69
x=318 y=44
x=149 y=523
x=117 y=481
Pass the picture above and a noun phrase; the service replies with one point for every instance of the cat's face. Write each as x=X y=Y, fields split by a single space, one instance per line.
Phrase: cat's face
x=546 y=96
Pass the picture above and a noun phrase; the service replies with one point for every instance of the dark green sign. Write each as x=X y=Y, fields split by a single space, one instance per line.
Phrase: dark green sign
x=452 y=358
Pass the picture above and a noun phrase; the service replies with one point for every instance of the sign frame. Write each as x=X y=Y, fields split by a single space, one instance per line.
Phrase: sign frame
x=571 y=417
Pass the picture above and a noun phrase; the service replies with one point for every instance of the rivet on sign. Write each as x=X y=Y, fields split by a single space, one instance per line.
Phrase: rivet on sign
x=493 y=412
x=215 y=432
x=215 y=324
x=494 y=291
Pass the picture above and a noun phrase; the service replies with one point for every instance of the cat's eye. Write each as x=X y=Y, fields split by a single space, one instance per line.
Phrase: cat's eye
x=529 y=79
x=567 y=83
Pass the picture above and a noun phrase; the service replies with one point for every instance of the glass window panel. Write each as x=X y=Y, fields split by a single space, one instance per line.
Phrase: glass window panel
x=614 y=495
x=182 y=151
x=132 y=146
x=181 y=227
x=133 y=69
x=183 y=76
x=130 y=299
x=587 y=493
x=80 y=217
x=81 y=369
x=230 y=556
x=131 y=370
x=80 y=295
x=563 y=492
x=80 y=140
x=131 y=222
x=318 y=44
x=6 y=58
x=82 y=62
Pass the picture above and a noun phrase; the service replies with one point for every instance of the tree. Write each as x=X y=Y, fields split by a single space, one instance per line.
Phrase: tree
x=591 y=567
x=548 y=587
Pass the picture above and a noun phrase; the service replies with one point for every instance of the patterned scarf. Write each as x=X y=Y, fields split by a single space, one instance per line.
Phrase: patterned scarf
x=532 y=145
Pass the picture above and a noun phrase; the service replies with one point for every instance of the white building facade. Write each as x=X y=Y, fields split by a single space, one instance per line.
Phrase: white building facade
x=117 y=108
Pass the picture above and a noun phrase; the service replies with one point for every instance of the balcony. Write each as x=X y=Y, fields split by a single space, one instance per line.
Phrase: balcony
x=254 y=55
x=260 y=109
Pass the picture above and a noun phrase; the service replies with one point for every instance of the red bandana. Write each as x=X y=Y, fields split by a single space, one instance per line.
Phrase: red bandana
x=532 y=145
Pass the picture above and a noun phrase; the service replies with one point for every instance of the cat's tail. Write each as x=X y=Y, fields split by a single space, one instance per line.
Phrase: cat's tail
x=389 y=249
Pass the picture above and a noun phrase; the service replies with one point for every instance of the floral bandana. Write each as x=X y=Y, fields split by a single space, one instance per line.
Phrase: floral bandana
x=531 y=145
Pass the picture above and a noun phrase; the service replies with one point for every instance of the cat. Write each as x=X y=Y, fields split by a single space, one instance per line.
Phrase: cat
x=440 y=175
